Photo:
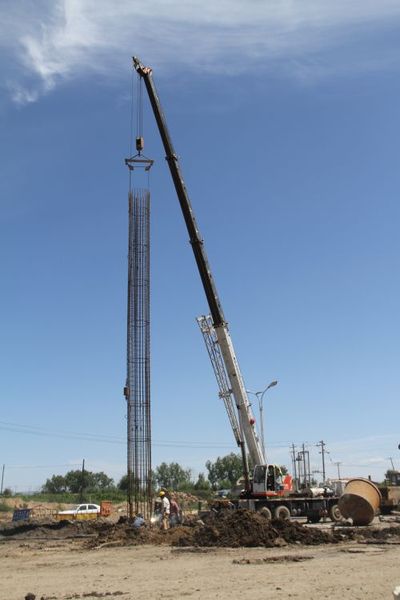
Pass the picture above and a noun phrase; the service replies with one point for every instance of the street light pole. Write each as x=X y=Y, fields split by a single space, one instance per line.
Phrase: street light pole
x=338 y=468
x=260 y=397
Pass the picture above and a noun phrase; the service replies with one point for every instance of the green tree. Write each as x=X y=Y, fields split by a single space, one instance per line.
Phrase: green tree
x=87 y=480
x=173 y=476
x=78 y=480
x=123 y=483
x=202 y=483
x=55 y=485
x=226 y=469
x=101 y=481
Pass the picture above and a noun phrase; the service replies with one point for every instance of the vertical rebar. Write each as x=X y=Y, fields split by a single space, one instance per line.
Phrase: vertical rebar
x=137 y=391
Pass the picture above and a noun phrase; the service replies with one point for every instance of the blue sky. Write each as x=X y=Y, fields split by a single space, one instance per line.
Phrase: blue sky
x=285 y=116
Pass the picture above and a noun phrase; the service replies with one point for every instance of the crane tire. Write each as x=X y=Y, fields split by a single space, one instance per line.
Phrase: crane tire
x=334 y=513
x=265 y=512
x=282 y=513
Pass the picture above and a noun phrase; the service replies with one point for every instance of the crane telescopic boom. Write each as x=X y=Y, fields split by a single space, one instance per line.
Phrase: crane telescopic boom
x=245 y=416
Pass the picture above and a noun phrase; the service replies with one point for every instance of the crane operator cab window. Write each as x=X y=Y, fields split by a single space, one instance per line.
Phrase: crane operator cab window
x=269 y=477
x=264 y=476
x=259 y=474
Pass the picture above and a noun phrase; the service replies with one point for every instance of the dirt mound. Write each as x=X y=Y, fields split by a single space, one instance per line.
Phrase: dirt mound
x=246 y=528
x=370 y=535
x=44 y=529
x=184 y=498
x=123 y=534
x=232 y=529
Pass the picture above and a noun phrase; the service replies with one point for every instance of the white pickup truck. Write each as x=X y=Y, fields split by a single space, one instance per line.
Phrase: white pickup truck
x=80 y=511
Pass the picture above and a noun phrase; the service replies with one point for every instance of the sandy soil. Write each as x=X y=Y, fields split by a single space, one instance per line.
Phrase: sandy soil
x=65 y=570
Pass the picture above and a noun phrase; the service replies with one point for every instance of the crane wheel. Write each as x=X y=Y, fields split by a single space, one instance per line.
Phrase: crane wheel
x=282 y=513
x=334 y=513
x=266 y=513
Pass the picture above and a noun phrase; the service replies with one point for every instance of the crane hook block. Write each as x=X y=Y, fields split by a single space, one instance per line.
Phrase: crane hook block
x=139 y=144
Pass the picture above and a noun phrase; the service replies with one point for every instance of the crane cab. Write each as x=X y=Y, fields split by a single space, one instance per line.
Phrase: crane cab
x=268 y=480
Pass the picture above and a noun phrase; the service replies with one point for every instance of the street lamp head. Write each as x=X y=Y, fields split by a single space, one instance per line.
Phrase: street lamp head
x=272 y=384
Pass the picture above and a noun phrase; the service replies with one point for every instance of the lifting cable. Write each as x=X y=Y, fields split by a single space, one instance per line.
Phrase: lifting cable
x=138 y=160
x=139 y=112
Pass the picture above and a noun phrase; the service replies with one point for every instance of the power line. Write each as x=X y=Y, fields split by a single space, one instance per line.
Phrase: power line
x=111 y=439
x=42 y=466
x=91 y=437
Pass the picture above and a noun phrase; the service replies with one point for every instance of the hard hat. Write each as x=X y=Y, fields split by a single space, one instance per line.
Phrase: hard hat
x=161 y=493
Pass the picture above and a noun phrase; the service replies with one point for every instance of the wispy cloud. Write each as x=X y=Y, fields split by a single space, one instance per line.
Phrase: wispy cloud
x=49 y=41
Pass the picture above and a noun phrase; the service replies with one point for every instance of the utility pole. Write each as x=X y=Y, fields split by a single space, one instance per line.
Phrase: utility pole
x=298 y=460
x=321 y=444
x=293 y=453
x=391 y=460
x=82 y=481
x=304 y=466
x=2 y=479
x=338 y=468
x=307 y=468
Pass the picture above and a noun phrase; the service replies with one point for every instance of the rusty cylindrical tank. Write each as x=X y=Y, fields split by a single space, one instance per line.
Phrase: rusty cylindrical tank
x=360 y=501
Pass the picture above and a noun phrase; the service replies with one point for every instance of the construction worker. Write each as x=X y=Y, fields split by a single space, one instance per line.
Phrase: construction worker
x=139 y=521
x=165 y=510
x=271 y=478
x=176 y=513
x=278 y=478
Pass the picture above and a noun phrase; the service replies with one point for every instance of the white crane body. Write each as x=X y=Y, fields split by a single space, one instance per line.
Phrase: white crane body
x=246 y=417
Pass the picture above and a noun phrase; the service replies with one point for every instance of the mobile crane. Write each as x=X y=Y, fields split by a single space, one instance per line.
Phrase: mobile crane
x=263 y=491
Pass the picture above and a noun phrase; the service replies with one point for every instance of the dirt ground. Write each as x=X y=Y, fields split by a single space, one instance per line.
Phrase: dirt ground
x=67 y=570
x=237 y=554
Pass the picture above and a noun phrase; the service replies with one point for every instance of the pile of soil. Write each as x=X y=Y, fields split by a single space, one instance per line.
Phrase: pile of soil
x=370 y=535
x=123 y=534
x=247 y=528
x=44 y=529
x=184 y=498
x=232 y=529
x=226 y=529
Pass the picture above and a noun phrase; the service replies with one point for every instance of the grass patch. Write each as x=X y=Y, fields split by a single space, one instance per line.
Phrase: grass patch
x=4 y=507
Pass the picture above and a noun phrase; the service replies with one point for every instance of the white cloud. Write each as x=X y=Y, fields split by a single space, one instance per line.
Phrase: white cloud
x=47 y=41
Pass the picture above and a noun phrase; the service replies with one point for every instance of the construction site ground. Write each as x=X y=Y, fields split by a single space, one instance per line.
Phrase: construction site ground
x=235 y=555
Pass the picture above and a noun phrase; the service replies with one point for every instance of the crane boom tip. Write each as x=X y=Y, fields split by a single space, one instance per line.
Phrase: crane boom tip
x=140 y=68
